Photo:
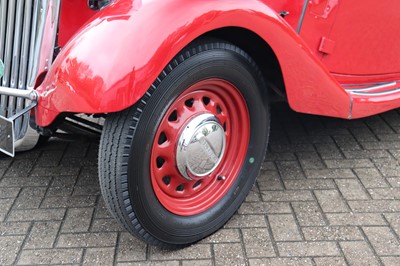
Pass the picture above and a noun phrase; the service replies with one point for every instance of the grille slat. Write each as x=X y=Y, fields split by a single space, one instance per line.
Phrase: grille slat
x=27 y=37
x=24 y=60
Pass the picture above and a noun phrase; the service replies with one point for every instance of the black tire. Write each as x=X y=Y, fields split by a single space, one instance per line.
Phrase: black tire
x=127 y=138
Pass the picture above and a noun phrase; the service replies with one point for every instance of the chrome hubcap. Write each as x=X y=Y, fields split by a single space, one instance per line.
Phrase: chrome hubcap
x=201 y=147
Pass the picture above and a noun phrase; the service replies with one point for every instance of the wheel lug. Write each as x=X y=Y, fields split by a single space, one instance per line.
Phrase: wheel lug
x=221 y=178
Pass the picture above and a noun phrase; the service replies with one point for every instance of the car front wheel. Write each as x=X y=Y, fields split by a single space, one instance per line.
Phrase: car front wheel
x=177 y=165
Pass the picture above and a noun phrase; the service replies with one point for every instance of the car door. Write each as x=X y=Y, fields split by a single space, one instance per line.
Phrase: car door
x=357 y=37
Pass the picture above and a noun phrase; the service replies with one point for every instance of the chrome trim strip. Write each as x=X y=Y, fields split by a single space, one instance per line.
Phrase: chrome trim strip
x=381 y=93
x=303 y=14
x=376 y=87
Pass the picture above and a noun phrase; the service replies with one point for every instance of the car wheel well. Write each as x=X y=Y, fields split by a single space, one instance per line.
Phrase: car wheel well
x=261 y=53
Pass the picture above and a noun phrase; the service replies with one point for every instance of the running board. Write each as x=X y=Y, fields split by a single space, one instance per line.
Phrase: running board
x=371 y=90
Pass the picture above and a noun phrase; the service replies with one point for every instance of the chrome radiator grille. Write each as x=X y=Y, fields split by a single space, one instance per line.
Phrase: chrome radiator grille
x=24 y=33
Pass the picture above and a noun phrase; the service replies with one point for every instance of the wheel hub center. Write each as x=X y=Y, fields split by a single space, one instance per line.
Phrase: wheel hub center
x=201 y=147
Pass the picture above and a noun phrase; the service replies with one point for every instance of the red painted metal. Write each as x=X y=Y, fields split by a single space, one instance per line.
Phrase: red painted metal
x=74 y=14
x=194 y=197
x=119 y=52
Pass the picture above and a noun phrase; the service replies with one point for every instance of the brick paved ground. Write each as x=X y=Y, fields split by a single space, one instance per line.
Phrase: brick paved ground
x=328 y=194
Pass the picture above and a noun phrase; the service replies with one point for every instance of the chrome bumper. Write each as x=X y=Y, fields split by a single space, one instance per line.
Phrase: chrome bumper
x=7 y=130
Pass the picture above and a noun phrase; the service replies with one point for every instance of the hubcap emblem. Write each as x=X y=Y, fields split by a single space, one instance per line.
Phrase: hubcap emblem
x=201 y=147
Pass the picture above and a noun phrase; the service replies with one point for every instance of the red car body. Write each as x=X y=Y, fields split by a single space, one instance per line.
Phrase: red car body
x=331 y=53
x=185 y=88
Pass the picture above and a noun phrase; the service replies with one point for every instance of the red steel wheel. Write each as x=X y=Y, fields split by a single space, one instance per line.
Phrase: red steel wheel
x=192 y=192
x=178 y=164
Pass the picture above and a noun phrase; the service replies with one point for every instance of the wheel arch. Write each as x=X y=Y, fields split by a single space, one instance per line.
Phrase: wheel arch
x=261 y=52
x=108 y=65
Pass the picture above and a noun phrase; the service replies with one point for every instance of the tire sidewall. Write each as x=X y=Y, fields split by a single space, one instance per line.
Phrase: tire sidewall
x=224 y=64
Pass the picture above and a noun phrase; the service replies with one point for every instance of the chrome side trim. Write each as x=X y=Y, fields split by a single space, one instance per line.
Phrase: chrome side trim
x=371 y=94
x=371 y=88
x=303 y=14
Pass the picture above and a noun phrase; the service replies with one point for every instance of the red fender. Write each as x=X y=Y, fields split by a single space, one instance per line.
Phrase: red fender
x=113 y=60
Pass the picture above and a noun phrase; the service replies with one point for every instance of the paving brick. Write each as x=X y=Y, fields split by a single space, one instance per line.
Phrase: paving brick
x=87 y=240
x=290 y=170
x=308 y=214
x=19 y=168
x=329 y=151
x=55 y=171
x=105 y=225
x=371 y=178
x=378 y=206
x=308 y=249
x=9 y=247
x=130 y=248
x=310 y=160
x=50 y=256
x=351 y=189
x=264 y=207
x=287 y=195
x=394 y=181
x=245 y=221
x=200 y=251
x=388 y=167
x=31 y=181
x=360 y=154
x=355 y=219
x=385 y=193
x=36 y=215
x=229 y=254
x=59 y=191
x=331 y=261
x=383 y=240
x=70 y=202
x=223 y=236
x=346 y=142
x=77 y=220
x=254 y=195
x=281 y=261
x=363 y=134
x=358 y=253
x=331 y=201
x=14 y=228
x=391 y=261
x=99 y=256
x=9 y=192
x=149 y=263
x=42 y=235
x=334 y=233
x=309 y=184
x=5 y=205
x=394 y=221
x=258 y=243
x=197 y=262
x=30 y=197
x=284 y=227
x=330 y=173
x=349 y=163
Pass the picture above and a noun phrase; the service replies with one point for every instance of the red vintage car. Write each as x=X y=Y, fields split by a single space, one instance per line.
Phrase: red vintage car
x=185 y=88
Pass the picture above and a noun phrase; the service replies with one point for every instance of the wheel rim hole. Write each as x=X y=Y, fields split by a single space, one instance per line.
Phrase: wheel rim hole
x=224 y=127
x=180 y=188
x=160 y=162
x=198 y=182
x=206 y=100
x=219 y=110
x=166 y=180
x=162 y=139
x=173 y=116
x=189 y=103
